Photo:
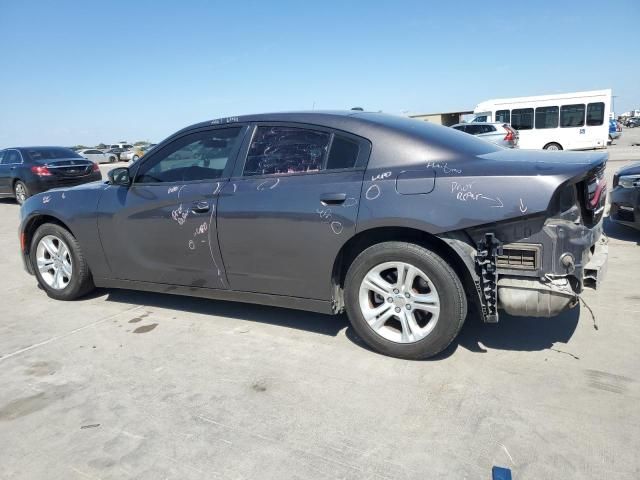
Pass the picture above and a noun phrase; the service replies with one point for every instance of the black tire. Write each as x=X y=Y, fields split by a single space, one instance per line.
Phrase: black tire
x=134 y=158
x=551 y=145
x=453 y=303
x=113 y=159
x=81 y=281
x=19 y=184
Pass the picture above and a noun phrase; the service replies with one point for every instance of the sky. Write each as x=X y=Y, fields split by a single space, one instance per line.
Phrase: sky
x=85 y=72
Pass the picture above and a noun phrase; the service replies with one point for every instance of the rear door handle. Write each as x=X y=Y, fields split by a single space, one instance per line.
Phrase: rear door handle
x=200 y=207
x=333 y=198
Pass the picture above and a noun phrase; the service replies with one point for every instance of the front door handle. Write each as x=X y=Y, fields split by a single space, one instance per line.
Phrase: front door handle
x=200 y=207
x=333 y=198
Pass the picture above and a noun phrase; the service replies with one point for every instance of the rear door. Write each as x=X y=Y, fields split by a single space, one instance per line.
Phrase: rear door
x=162 y=228
x=290 y=207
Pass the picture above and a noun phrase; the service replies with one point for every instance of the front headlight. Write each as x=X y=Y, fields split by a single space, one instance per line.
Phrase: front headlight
x=629 y=181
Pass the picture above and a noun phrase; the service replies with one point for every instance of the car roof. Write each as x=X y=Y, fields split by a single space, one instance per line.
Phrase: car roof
x=386 y=131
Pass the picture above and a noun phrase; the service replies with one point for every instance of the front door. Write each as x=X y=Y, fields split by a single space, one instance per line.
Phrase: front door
x=162 y=229
x=290 y=207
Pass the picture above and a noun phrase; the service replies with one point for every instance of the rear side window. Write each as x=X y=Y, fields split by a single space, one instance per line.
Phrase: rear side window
x=198 y=156
x=280 y=150
x=459 y=127
x=473 y=129
x=572 y=115
x=522 y=118
x=595 y=114
x=343 y=154
x=503 y=116
x=547 y=117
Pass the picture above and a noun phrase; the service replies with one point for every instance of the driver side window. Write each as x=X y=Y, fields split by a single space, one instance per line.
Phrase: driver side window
x=198 y=156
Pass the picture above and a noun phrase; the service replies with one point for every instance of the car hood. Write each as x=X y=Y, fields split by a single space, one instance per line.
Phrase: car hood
x=633 y=169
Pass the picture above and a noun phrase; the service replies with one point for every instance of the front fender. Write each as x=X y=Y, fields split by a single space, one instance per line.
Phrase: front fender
x=76 y=210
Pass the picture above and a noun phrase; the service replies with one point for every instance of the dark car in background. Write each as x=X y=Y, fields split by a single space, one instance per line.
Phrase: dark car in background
x=25 y=171
x=401 y=223
x=625 y=197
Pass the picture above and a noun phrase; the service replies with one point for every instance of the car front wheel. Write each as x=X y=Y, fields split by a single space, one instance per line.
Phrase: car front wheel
x=404 y=300
x=59 y=263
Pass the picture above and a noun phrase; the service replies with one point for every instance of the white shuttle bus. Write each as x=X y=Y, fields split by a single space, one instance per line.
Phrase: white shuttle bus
x=567 y=121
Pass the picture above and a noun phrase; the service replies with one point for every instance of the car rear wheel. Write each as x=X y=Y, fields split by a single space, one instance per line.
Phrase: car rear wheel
x=553 y=146
x=59 y=263
x=134 y=158
x=113 y=159
x=404 y=300
x=21 y=192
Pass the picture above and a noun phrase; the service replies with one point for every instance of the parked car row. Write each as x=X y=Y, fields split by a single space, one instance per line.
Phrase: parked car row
x=122 y=152
x=632 y=122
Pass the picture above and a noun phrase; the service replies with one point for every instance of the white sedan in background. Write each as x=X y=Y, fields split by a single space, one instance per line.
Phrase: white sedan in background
x=98 y=156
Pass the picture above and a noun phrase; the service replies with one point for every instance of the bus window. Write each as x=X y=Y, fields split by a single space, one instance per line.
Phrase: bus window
x=547 y=117
x=572 y=115
x=595 y=114
x=503 y=116
x=522 y=118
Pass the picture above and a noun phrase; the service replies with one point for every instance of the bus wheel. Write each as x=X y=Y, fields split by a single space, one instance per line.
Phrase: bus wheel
x=553 y=146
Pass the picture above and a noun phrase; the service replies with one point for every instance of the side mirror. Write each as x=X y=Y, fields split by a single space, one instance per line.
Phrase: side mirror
x=119 y=176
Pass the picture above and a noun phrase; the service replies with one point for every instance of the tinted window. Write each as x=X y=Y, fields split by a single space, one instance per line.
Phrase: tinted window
x=1 y=157
x=503 y=116
x=50 y=153
x=522 y=118
x=595 y=114
x=547 y=117
x=459 y=127
x=473 y=129
x=278 y=150
x=482 y=118
x=488 y=129
x=343 y=154
x=572 y=115
x=199 y=156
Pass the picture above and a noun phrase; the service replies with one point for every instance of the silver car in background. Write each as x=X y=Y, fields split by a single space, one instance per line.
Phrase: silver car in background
x=98 y=156
x=495 y=132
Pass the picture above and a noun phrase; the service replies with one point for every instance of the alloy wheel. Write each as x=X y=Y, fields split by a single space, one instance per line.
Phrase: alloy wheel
x=53 y=259
x=399 y=302
x=21 y=193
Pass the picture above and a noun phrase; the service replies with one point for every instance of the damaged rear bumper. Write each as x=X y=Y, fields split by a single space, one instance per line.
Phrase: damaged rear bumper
x=542 y=274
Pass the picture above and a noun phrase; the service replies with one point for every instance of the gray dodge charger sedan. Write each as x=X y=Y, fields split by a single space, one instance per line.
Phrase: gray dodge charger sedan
x=401 y=223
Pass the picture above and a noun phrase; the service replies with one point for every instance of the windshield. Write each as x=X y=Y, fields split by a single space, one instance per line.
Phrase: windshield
x=42 y=154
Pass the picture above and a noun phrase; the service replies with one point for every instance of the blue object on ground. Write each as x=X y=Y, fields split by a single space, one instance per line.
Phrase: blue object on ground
x=499 y=473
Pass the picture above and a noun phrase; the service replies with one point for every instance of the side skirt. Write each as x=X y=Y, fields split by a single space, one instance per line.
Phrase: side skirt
x=296 y=303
